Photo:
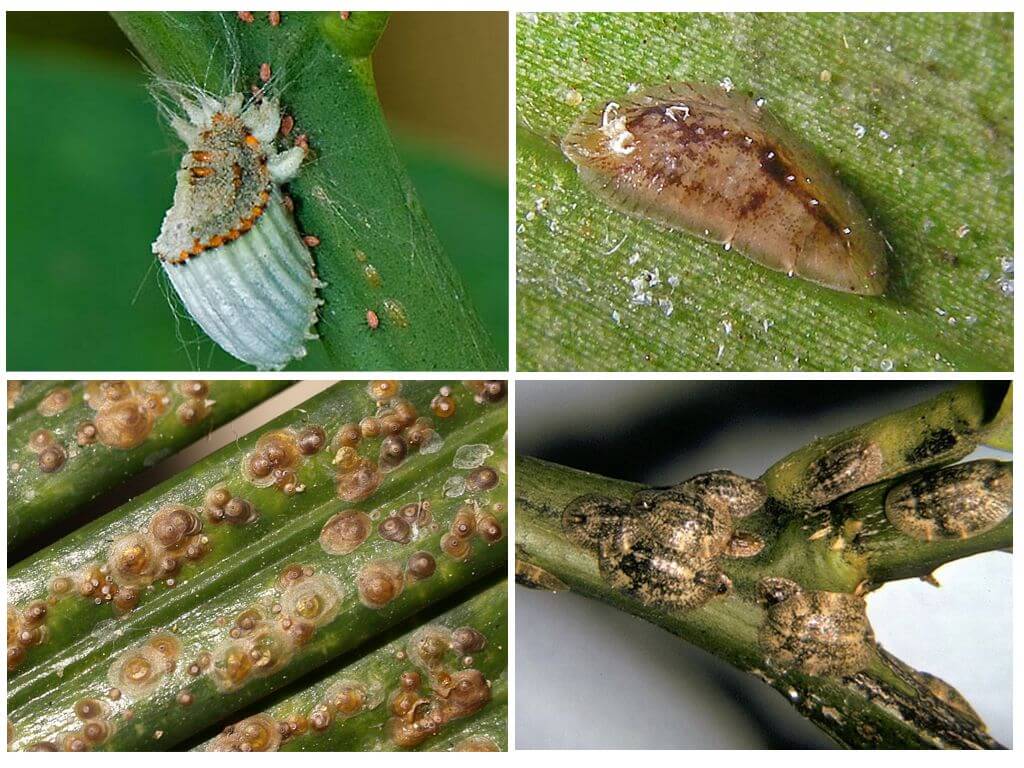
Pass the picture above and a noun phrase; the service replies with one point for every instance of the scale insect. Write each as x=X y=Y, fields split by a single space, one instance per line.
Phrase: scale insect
x=229 y=244
x=693 y=157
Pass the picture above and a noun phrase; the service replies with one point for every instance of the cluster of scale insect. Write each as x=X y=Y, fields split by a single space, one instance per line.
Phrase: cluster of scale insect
x=666 y=547
x=126 y=413
x=262 y=639
x=133 y=563
x=443 y=686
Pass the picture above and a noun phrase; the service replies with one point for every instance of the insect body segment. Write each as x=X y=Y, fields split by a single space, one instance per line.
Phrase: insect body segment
x=696 y=158
x=254 y=288
x=665 y=547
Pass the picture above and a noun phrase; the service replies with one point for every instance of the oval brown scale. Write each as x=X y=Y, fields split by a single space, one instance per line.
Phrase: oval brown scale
x=715 y=164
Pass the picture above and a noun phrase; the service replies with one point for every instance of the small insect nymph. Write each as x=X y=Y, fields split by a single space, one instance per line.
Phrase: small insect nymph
x=665 y=547
x=697 y=158
x=228 y=244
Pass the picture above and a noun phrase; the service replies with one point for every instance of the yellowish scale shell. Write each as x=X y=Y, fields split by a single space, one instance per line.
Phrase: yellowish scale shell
x=716 y=164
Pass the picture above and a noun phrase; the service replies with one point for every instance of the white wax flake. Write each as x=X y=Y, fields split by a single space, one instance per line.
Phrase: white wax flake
x=673 y=280
x=963 y=231
x=616 y=317
x=726 y=84
x=859 y=130
x=883 y=134
x=633 y=259
x=454 y=487
x=472 y=456
x=721 y=349
x=1006 y=286
x=666 y=307
x=971 y=319
x=1006 y=264
x=760 y=102
x=727 y=326
x=886 y=365
x=632 y=87
x=432 y=444
x=940 y=312
x=572 y=97
x=928 y=225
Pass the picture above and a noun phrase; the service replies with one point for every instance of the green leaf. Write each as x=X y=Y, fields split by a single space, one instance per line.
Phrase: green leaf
x=932 y=163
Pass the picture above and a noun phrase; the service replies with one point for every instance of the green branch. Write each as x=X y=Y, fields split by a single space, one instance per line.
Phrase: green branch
x=846 y=546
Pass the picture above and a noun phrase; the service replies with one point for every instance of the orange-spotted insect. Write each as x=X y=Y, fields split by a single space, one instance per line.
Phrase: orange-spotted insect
x=229 y=244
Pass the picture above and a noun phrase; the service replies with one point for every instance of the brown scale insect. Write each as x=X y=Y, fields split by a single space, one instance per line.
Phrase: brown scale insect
x=56 y=401
x=817 y=633
x=345 y=531
x=379 y=583
x=421 y=566
x=394 y=528
x=954 y=502
x=716 y=164
x=664 y=548
x=259 y=733
x=358 y=484
x=842 y=470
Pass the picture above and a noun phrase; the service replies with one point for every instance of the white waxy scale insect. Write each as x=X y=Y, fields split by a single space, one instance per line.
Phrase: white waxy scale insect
x=228 y=244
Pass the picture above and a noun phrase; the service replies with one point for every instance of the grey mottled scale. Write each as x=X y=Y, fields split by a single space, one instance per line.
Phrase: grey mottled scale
x=954 y=502
x=664 y=547
x=843 y=469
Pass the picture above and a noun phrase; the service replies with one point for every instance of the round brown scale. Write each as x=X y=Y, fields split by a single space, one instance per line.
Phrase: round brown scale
x=393 y=450
x=100 y=394
x=172 y=525
x=239 y=512
x=469 y=693
x=311 y=440
x=89 y=709
x=312 y=600
x=368 y=427
x=428 y=646
x=416 y=513
x=40 y=440
x=464 y=523
x=195 y=389
x=421 y=566
x=379 y=583
x=155 y=404
x=384 y=389
x=405 y=411
x=52 y=459
x=345 y=531
x=132 y=560
x=193 y=412
x=396 y=529
x=815 y=632
x=259 y=733
x=360 y=483
x=54 y=402
x=349 y=435
x=138 y=671
x=85 y=433
x=455 y=546
x=96 y=731
x=489 y=529
x=481 y=479
x=419 y=432
x=468 y=640
x=43 y=746
x=123 y=424
x=443 y=406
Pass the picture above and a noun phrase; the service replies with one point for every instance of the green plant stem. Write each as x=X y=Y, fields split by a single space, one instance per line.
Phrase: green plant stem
x=40 y=501
x=245 y=574
x=885 y=705
x=377 y=250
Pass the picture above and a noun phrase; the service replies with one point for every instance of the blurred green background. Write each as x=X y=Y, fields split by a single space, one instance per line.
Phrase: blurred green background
x=90 y=172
